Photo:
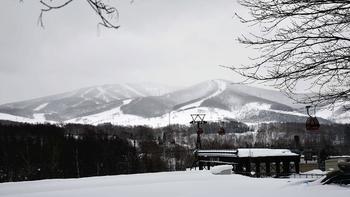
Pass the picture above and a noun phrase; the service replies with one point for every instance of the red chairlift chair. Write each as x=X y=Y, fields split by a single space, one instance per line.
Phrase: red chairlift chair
x=312 y=123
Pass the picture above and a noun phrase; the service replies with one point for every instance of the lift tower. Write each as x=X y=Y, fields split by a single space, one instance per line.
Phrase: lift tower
x=198 y=119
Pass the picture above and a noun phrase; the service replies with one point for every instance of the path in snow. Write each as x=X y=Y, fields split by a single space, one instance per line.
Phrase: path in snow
x=221 y=86
x=40 y=107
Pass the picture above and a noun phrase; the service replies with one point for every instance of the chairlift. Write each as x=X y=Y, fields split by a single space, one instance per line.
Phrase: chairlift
x=344 y=165
x=221 y=130
x=312 y=123
x=199 y=131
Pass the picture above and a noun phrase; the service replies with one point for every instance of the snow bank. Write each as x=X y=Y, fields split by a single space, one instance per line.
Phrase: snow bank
x=222 y=169
x=315 y=171
x=171 y=184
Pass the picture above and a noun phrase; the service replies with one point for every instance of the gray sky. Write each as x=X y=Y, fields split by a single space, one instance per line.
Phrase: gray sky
x=177 y=43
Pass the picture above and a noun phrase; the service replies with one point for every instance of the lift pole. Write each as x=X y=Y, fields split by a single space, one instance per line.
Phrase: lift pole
x=198 y=119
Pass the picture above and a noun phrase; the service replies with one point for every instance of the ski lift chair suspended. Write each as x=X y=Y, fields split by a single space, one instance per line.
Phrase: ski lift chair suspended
x=200 y=131
x=312 y=123
x=221 y=130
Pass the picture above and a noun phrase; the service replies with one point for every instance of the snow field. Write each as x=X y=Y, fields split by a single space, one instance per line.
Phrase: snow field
x=172 y=184
x=221 y=169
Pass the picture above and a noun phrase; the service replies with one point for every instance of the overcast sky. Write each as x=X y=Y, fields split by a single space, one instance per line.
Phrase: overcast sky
x=177 y=43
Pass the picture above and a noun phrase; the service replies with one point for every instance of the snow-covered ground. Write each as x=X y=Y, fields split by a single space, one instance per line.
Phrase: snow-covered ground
x=42 y=106
x=221 y=87
x=330 y=113
x=16 y=118
x=181 y=116
x=172 y=184
x=315 y=171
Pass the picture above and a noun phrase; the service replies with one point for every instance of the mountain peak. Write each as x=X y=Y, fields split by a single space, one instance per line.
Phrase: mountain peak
x=154 y=105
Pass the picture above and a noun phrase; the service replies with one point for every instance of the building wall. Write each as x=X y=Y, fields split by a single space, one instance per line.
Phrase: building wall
x=305 y=167
x=332 y=164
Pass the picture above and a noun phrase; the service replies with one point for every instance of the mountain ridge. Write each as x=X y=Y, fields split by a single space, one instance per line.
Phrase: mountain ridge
x=156 y=105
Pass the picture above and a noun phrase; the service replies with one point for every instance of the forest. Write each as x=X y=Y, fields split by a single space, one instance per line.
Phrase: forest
x=42 y=151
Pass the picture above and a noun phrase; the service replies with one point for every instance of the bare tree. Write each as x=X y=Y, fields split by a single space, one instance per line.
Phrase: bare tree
x=107 y=14
x=301 y=43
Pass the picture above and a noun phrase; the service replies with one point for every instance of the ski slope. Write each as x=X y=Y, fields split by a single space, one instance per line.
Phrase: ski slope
x=172 y=184
x=221 y=87
x=156 y=106
x=181 y=116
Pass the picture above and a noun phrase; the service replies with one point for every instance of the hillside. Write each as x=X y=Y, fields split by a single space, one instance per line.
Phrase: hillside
x=155 y=105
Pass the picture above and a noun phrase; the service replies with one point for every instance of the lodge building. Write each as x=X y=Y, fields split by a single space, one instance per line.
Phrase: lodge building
x=256 y=162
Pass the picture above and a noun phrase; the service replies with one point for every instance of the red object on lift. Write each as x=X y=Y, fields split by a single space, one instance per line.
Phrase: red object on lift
x=312 y=123
x=221 y=131
x=199 y=131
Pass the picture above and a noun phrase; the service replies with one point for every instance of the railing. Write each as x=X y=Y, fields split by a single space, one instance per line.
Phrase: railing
x=306 y=176
x=281 y=175
x=264 y=174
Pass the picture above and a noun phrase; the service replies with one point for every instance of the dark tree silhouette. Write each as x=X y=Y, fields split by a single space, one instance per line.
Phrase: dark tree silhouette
x=107 y=14
x=301 y=42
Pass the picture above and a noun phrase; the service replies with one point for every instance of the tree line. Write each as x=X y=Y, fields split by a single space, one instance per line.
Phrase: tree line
x=43 y=151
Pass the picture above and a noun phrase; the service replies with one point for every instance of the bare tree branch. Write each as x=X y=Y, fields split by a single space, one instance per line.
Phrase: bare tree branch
x=301 y=41
x=107 y=14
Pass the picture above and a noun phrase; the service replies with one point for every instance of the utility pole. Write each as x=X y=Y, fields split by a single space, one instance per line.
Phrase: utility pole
x=169 y=119
x=198 y=119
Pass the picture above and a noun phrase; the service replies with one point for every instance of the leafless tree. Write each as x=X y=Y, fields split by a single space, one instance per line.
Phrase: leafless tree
x=107 y=14
x=300 y=42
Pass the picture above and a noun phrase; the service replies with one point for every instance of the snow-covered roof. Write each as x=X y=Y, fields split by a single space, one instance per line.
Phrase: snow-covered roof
x=339 y=156
x=264 y=152
x=221 y=153
x=247 y=152
x=315 y=171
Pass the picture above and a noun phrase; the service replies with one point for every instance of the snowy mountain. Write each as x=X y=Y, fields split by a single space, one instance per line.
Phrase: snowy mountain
x=82 y=102
x=155 y=105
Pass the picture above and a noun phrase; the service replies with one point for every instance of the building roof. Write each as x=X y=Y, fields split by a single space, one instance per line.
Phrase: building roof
x=264 y=152
x=246 y=152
